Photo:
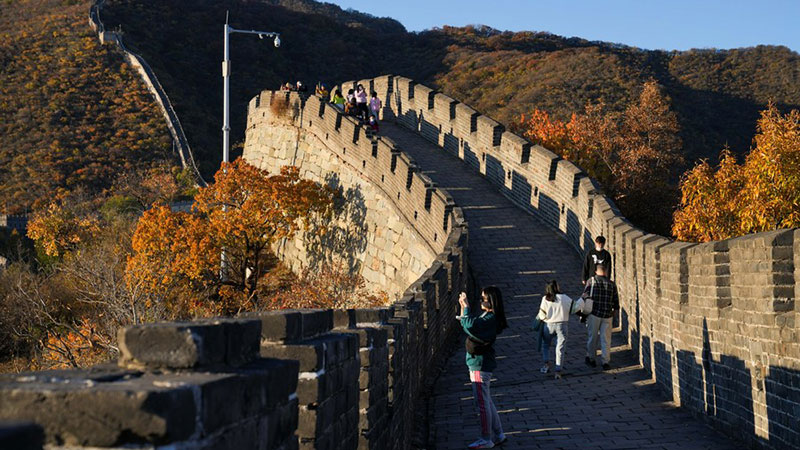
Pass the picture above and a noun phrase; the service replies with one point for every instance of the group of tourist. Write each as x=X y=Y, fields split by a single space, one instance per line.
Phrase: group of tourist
x=356 y=104
x=297 y=87
x=596 y=308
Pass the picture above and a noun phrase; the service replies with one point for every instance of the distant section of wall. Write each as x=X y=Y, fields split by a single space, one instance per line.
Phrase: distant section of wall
x=369 y=234
x=717 y=325
x=309 y=379
x=153 y=85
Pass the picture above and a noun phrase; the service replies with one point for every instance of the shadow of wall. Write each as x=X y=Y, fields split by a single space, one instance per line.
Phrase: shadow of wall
x=343 y=239
x=714 y=324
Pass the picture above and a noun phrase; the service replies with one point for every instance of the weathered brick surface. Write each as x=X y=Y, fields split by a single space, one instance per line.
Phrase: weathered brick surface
x=109 y=407
x=714 y=325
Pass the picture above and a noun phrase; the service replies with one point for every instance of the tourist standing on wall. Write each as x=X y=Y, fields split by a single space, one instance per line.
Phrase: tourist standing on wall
x=595 y=256
x=605 y=298
x=555 y=309
x=482 y=328
x=337 y=99
x=361 y=102
x=375 y=106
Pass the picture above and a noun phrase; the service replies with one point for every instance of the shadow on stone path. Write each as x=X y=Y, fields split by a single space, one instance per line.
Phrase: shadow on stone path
x=586 y=409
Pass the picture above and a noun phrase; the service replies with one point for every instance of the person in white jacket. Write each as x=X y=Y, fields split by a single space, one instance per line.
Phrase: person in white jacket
x=554 y=311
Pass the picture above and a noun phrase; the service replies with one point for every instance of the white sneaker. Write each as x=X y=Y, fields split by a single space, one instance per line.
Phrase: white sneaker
x=481 y=443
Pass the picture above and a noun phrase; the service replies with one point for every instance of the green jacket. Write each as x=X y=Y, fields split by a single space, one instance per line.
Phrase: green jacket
x=483 y=328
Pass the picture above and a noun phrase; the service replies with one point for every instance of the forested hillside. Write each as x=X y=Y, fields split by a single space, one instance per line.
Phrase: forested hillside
x=73 y=114
x=717 y=94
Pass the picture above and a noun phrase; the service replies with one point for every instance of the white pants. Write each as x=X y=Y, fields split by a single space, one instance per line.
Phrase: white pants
x=597 y=326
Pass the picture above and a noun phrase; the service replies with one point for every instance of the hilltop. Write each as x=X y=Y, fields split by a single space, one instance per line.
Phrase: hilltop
x=73 y=115
x=717 y=94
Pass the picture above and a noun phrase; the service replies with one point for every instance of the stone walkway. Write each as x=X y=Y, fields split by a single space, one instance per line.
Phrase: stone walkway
x=588 y=408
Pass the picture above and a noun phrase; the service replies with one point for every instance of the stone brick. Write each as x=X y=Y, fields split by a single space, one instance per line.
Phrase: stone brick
x=154 y=409
x=172 y=345
x=279 y=326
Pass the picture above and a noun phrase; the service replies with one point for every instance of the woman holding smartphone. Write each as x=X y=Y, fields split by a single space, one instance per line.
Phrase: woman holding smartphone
x=482 y=328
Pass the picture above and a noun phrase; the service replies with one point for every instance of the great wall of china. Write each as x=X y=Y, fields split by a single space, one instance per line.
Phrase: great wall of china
x=715 y=325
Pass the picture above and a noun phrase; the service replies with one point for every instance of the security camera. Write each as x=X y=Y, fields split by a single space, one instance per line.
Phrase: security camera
x=277 y=41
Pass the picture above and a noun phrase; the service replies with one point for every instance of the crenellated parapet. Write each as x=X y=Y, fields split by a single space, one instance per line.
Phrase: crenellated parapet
x=409 y=220
x=717 y=325
x=341 y=379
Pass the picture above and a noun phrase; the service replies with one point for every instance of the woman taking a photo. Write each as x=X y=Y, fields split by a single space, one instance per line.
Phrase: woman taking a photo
x=482 y=328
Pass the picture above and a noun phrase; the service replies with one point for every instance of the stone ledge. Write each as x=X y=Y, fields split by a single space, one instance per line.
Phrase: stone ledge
x=111 y=408
x=184 y=345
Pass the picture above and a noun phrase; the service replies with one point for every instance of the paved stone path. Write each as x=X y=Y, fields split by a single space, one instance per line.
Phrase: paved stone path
x=587 y=408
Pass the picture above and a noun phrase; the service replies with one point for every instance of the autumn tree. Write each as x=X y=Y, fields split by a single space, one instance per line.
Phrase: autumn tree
x=66 y=313
x=329 y=285
x=634 y=154
x=710 y=201
x=649 y=158
x=211 y=260
x=772 y=171
x=760 y=195
x=60 y=229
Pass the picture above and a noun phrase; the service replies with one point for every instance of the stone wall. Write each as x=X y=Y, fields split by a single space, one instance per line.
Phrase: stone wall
x=370 y=234
x=715 y=324
x=153 y=85
x=315 y=379
x=309 y=379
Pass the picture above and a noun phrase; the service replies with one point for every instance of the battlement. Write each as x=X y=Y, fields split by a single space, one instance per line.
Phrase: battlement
x=715 y=325
x=691 y=312
x=276 y=380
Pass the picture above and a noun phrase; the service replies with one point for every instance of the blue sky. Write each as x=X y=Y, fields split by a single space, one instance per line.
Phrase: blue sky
x=667 y=24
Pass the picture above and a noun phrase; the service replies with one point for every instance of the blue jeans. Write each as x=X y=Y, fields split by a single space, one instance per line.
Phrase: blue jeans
x=558 y=329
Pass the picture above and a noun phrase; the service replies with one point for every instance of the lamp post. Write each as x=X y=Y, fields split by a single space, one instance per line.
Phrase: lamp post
x=226 y=73
x=226 y=123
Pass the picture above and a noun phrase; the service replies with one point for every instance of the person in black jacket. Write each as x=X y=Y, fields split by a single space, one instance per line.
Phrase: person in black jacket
x=597 y=255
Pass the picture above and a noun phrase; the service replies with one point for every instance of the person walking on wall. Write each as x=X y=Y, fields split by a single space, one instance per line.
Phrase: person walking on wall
x=361 y=102
x=595 y=256
x=375 y=106
x=605 y=304
x=482 y=328
x=555 y=309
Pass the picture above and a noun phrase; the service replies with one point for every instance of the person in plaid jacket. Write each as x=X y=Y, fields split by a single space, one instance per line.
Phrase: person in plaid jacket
x=605 y=298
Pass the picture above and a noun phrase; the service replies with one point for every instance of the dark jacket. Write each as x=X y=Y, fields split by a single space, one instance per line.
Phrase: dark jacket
x=484 y=328
x=604 y=294
x=593 y=258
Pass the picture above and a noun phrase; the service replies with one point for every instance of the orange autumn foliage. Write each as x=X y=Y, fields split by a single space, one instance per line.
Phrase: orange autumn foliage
x=328 y=286
x=80 y=345
x=179 y=256
x=58 y=230
x=760 y=195
x=633 y=154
